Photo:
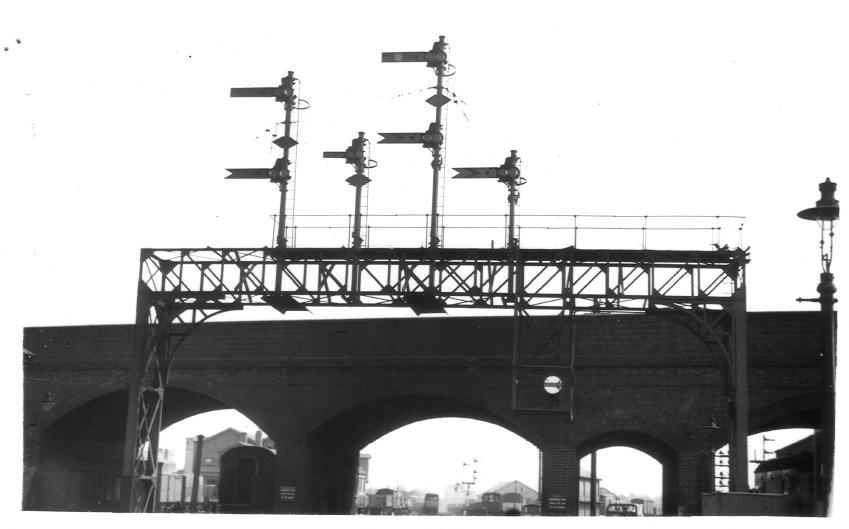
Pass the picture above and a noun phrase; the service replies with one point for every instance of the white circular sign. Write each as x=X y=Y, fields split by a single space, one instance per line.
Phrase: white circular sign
x=552 y=385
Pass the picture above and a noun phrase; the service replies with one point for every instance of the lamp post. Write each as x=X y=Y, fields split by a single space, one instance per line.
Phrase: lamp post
x=826 y=212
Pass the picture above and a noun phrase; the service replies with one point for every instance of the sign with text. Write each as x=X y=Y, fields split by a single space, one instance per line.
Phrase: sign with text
x=287 y=493
x=557 y=503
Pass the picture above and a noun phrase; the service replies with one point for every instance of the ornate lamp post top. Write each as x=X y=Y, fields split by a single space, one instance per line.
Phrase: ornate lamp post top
x=826 y=213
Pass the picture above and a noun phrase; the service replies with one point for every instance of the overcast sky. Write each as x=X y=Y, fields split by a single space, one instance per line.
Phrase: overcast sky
x=116 y=126
x=119 y=125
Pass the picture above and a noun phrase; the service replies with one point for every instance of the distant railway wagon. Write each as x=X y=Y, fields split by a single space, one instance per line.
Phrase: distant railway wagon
x=431 y=504
x=388 y=502
x=495 y=504
x=176 y=488
x=512 y=502
x=490 y=505
x=246 y=481
x=380 y=502
x=175 y=492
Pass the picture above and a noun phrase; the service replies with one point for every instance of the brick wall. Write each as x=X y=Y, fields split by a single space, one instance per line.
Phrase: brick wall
x=634 y=373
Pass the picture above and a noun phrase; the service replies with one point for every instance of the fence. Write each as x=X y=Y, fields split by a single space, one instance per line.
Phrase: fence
x=657 y=232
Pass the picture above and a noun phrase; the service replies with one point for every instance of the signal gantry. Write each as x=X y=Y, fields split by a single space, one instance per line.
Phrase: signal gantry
x=179 y=289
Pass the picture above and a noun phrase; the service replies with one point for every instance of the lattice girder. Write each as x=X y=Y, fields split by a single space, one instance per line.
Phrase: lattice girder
x=457 y=278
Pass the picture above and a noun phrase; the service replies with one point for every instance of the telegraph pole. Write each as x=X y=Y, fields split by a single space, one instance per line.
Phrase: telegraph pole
x=469 y=484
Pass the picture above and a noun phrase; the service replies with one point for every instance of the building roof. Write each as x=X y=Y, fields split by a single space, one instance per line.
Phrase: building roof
x=802 y=445
x=222 y=432
x=796 y=461
x=510 y=486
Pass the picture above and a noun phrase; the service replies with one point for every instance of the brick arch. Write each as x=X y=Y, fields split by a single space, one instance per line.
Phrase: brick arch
x=651 y=445
x=186 y=397
x=335 y=444
x=796 y=411
x=646 y=443
x=366 y=422
x=80 y=453
x=643 y=430
x=182 y=400
x=68 y=402
x=114 y=386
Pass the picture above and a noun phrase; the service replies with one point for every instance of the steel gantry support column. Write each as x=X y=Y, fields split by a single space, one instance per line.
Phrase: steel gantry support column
x=144 y=407
x=738 y=443
x=155 y=342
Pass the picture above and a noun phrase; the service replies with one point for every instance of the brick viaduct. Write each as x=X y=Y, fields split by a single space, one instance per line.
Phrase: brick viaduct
x=323 y=389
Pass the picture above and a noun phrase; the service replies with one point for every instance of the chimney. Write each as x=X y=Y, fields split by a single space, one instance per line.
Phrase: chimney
x=258 y=438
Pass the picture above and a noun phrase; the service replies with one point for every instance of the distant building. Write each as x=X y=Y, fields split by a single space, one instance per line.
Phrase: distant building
x=608 y=497
x=360 y=496
x=584 y=494
x=166 y=457
x=515 y=494
x=213 y=448
x=527 y=494
x=790 y=473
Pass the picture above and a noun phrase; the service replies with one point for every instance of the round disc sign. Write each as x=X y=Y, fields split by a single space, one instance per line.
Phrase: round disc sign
x=552 y=385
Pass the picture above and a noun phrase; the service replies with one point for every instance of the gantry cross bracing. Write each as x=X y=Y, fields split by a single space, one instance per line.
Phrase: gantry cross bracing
x=580 y=279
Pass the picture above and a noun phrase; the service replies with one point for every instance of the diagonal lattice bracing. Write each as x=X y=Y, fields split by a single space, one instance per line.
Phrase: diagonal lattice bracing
x=494 y=278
